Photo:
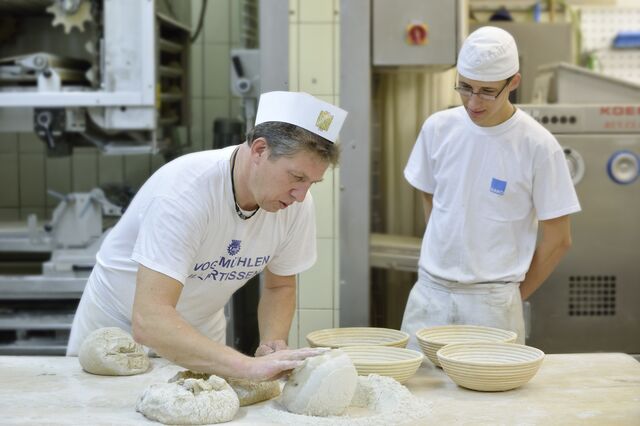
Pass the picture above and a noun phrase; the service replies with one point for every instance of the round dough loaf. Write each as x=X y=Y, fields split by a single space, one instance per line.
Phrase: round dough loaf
x=190 y=402
x=111 y=351
x=323 y=386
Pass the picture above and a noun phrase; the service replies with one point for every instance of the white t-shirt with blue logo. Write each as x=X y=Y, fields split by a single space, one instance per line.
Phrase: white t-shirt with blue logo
x=183 y=223
x=490 y=187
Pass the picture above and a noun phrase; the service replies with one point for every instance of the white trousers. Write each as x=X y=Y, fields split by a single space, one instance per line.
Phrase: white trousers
x=434 y=303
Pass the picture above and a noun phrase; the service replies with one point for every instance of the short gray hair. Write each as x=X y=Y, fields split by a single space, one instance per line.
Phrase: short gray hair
x=286 y=140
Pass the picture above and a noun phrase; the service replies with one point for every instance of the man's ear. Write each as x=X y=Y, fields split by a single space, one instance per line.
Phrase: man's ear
x=515 y=82
x=259 y=148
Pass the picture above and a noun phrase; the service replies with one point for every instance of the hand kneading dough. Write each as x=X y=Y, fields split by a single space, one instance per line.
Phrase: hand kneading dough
x=249 y=392
x=111 y=351
x=190 y=402
x=323 y=386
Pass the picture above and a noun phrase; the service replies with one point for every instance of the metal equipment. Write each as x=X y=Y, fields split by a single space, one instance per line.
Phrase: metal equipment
x=590 y=302
x=116 y=77
x=36 y=311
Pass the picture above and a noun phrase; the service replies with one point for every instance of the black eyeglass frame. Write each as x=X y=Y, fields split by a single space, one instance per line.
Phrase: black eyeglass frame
x=468 y=93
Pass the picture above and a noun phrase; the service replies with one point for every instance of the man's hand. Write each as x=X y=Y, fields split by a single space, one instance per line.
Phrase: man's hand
x=278 y=364
x=266 y=348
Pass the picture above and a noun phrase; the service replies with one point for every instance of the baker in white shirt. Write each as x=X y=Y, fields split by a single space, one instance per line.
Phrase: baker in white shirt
x=201 y=227
x=489 y=176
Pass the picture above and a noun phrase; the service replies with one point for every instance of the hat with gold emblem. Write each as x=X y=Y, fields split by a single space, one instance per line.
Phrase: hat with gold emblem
x=302 y=110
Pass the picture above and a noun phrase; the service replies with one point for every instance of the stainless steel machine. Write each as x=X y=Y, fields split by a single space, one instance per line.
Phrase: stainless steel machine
x=591 y=301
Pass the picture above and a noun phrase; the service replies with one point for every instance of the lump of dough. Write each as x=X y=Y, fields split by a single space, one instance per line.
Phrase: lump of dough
x=189 y=402
x=111 y=351
x=249 y=392
x=322 y=386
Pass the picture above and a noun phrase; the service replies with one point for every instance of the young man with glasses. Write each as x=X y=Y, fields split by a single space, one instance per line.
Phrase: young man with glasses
x=489 y=175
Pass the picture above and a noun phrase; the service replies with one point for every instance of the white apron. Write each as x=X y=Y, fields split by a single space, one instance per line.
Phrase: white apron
x=436 y=302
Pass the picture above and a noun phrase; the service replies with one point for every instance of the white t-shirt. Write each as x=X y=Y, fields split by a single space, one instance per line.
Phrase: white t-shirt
x=183 y=223
x=490 y=187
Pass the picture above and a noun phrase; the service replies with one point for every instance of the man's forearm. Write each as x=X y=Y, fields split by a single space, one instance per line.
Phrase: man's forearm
x=545 y=259
x=167 y=333
x=275 y=312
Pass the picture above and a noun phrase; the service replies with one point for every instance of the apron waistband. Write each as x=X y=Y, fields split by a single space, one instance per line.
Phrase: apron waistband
x=424 y=278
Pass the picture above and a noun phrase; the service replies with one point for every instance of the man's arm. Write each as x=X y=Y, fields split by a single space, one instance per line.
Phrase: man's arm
x=275 y=311
x=427 y=204
x=556 y=241
x=157 y=324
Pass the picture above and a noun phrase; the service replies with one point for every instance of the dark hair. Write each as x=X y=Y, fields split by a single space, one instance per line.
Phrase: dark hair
x=286 y=140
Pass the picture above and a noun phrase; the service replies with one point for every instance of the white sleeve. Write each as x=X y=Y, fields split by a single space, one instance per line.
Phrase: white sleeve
x=169 y=237
x=553 y=191
x=419 y=170
x=297 y=253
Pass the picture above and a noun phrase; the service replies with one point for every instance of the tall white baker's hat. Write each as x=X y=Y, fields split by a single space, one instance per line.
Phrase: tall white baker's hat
x=302 y=110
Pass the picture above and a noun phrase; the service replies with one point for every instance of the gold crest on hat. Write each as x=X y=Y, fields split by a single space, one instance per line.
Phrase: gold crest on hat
x=324 y=120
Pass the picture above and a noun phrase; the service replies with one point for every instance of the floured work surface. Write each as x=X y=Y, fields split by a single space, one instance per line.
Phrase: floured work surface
x=568 y=389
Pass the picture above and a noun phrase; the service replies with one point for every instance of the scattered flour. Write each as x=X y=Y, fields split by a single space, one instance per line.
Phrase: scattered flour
x=378 y=401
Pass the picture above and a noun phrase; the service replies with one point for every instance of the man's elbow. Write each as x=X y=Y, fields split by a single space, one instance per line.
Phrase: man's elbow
x=565 y=244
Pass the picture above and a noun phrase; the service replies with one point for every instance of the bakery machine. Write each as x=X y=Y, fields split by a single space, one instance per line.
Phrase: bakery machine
x=36 y=309
x=111 y=74
x=590 y=302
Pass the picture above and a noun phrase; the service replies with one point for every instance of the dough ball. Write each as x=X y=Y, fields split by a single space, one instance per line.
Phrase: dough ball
x=190 y=402
x=249 y=392
x=111 y=351
x=322 y=386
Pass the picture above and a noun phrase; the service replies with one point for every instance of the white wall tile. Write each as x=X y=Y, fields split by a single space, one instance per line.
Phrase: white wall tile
x=10 y=188
x=110 y=169
x=316 y=58
x=196 y=5
x=294 y=10
x=137 y=169
x=8 y=143
x=57 y=178
x=32 y=188
x=9 y=215
x=311 y=320
x=216 y=22
x=293 y=332
x=216 y=70
x=322 y=193
x=294 y=65
x=316 y=10
x=84 y=169
x=29 y=142
x=316 y=284
x=196 y=73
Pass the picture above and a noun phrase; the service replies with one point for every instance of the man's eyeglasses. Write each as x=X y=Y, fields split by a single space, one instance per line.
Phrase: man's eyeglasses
x=467 y=92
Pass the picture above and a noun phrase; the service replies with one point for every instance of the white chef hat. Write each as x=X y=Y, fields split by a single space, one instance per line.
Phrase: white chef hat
x=488 y=54
x=303 y=110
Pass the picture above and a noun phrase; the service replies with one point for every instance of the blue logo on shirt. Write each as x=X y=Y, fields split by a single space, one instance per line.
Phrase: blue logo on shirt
x=498 y=186
x=234 y=247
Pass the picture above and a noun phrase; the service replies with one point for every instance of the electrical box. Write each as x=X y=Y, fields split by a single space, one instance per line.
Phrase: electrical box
x=415 y=32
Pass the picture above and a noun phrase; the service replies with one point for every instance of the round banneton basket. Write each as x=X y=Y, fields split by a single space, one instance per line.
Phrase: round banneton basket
x=490 y=366
x=432 y=339
x=399 y=363
x=357 y=336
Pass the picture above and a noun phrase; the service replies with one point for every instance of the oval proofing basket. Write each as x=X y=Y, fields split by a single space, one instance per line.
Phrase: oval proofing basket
x=399 y=363
x=357 y=336
x=431 y=339
x=490 y=366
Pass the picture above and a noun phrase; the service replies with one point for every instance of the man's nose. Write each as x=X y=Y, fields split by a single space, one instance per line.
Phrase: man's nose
x=300 y=192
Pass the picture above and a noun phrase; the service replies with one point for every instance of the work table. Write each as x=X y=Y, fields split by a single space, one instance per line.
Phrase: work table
x=598 y=389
